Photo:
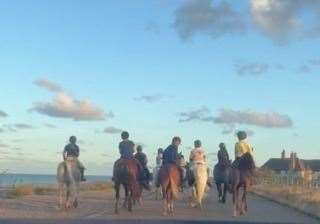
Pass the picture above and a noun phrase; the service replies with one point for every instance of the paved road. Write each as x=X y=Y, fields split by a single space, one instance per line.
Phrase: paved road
x=97 y=207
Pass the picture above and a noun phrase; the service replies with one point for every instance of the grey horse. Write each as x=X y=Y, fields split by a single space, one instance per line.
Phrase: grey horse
x=68 y=177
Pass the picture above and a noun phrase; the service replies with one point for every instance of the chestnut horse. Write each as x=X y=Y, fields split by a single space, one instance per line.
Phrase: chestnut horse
x=125 y=173
x=241 y=177
x=170 y=180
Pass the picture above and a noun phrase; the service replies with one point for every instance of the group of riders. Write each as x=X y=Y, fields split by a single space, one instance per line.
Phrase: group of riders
x=170 y=155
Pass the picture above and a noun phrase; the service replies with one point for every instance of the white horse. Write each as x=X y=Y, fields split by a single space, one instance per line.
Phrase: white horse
x=68 y=177
x=158 y=191
x=200 y=173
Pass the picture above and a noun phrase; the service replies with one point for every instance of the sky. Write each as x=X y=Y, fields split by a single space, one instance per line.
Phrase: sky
x=199 y=69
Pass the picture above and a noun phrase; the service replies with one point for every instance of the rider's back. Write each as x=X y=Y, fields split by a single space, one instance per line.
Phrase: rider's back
x=126 y=149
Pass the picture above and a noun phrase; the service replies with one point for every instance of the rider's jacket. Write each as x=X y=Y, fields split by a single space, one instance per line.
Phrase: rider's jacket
x=71 y=150
x=170 y=155
x=142 y=158
x=242 y=147
x=223 y=157
x=197 y=155
x=126 y=149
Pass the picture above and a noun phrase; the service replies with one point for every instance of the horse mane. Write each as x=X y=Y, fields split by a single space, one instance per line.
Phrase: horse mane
x=246 y=162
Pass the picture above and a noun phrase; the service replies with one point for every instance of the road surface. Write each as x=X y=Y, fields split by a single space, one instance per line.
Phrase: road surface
x=97 y=207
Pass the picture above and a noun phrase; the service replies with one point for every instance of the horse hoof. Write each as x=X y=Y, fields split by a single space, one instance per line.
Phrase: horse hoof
x=75 y=204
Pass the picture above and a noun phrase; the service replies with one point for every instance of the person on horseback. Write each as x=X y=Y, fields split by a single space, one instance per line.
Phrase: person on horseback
x=242 y=147
x=142 y=158
x=223 y=155
x=126 y=146
x=197 y=156
x=221 y=173
x=126 y=150
x=72 y=150
x=159 y=157
x=171 y=155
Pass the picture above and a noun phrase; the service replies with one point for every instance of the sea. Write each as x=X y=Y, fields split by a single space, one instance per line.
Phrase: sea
x=7 y=180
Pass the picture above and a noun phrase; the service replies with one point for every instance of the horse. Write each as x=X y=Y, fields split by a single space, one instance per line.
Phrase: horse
x=240 y=177
x=68 y=177
x=170 y=180
x=199 y=172
x=221 y=178
x=126 y=173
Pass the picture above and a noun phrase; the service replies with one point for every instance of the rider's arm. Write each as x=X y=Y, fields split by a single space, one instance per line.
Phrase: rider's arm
x=77 y=151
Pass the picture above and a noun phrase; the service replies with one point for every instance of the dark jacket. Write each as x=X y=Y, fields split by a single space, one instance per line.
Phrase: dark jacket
x=71 y=150
x=223 y=157
x=126 y=149
x=142 y=158
x=170 y=155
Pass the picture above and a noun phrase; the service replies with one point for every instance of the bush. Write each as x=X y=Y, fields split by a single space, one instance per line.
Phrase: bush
x=44 y=190
x=100 y=186
x=20 y=191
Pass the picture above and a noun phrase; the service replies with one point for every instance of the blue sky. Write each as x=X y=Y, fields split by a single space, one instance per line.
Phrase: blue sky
x=198 y=69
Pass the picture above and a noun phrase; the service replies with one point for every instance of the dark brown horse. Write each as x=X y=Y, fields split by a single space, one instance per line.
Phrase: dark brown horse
x=241 y=177
x=170 y=181
x=126 y=172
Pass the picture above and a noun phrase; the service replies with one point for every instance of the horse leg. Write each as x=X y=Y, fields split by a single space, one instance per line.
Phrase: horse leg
x=224 y=196
x=235 y=201
x=165 y=201
x=171 y=212
x=117 y=189
x=130 y=202
x=76 y=189
x=244 y=206
x=60 y=195
x=125 y=203
x=68 y=197
x=219 y=191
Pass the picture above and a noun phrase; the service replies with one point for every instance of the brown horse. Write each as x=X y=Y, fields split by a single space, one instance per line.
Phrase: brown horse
x=170 y=180
x=240 y=177
x=126 y=173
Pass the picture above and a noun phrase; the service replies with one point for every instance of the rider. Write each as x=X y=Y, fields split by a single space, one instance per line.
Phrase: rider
x=223 y=156
x=159 y=157
x=170 y=155
x=126 y=146
x=126 y=150
x=72 y=150
x=198 y=156
x=142 y=158
x=242 y=147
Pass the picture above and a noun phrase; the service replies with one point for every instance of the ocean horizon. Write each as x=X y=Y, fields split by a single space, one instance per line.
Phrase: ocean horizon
x=11 y=179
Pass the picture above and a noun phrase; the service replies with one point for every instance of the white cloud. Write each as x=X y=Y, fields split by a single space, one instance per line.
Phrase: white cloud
x=249 y=117
x=201 y=114
x=65 y=106
x=48 y=85
x=203 y=17
x=150 y=98
x=112 y=130
x=251 y=69
x=282 y=19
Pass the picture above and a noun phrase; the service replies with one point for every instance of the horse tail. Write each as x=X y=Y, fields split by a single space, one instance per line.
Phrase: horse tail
x=201 y=179
x=173 y=183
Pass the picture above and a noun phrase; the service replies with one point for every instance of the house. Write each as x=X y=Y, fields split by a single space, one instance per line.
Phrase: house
x=293 y=165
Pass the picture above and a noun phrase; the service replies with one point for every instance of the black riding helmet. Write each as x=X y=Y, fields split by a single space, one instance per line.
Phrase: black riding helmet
x=241 y=135
x=197 y=144
x=73 y=139
x=125 y=135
